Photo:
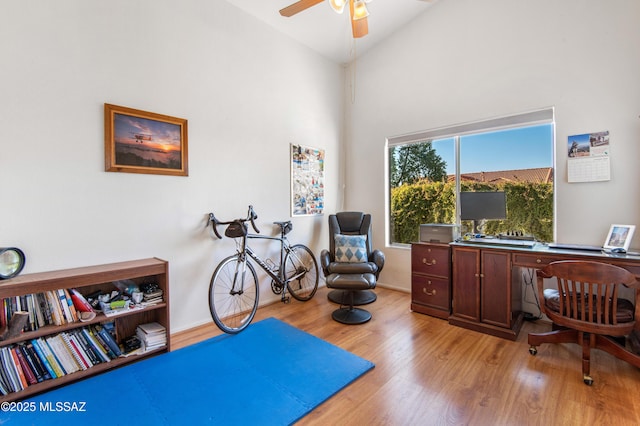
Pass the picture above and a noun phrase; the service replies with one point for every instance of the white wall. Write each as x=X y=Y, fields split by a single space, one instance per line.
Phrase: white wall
x=246 y=90
x=467 y=60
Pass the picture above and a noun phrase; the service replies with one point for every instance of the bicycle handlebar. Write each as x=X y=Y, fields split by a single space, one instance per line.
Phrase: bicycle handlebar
x=251 y=217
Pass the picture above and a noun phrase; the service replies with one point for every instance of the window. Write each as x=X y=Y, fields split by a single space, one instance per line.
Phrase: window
x=428 y=170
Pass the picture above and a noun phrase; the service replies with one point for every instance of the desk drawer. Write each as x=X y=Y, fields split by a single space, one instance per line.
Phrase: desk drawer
x=532 y=260
x=430 y=291
x=431 y=259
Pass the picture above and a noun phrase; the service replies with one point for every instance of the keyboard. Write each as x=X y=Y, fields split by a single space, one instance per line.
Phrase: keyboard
x=574 y=247
x=501 y=242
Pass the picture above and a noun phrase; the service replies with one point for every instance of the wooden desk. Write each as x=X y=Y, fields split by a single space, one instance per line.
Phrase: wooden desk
x=487 y=296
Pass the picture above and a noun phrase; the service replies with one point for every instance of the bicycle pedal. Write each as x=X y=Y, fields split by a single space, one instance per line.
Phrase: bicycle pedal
x=286 y=299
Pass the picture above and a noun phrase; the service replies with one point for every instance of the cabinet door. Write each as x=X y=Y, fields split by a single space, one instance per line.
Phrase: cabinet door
x=496 y=288
x=466 y=283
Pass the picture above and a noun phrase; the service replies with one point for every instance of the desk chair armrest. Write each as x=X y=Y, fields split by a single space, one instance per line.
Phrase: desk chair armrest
x=325 y=260
x=377 y=257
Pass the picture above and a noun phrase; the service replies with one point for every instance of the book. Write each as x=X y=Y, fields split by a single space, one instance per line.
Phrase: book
x=30 y=352
x=87 y=348
x=64 y=306
x=152 y=335
x=9 y=369
x=32 y=364
x=96 y=345
x=5 y=382
x=44 y=314
x=43 y=358
x=103 y=343
x=82 y=355
x=79 y=301
x=18 y=367
x=53 y=360
x=62 y=354
x=31 y=309
x=54 y=307
x=26 y=368
x=109 y=340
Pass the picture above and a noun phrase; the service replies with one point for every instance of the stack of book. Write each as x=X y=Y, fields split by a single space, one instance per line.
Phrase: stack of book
x=54 y=356
x=152 y=336
x=152 y=297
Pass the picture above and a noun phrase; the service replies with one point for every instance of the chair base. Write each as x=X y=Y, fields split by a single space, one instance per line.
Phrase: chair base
x=609 y=344
x=351 y=316
x=343 y=297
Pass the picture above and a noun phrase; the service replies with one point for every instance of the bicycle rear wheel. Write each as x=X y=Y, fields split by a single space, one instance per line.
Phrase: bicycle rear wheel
x=233 y=294
x=301 y=264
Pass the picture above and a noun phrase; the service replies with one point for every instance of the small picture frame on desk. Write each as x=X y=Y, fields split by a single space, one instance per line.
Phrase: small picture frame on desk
x=619 y=237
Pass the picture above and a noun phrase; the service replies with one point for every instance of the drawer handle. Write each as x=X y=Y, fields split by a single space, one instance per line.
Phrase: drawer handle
x=538 y=260
x=424 y=260
x=429 y=293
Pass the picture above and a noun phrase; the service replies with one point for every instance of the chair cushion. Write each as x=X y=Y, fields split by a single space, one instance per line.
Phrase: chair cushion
x=351 y=281
x=625 y=307
x=352 y=268
x=350 y=248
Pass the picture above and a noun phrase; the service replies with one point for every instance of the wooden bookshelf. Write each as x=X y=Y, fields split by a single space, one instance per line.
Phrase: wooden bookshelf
x=88 y=280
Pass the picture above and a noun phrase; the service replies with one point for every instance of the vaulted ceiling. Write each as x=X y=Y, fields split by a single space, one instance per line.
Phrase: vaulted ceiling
x=328 y=33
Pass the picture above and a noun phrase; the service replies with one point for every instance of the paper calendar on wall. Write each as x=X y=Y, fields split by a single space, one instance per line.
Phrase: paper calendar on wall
x=588 y=157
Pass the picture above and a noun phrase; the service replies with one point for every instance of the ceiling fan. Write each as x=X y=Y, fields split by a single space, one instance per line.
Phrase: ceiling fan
x=357 y=8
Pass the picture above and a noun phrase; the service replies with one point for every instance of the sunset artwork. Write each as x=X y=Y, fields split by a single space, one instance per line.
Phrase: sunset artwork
x=146 y=143
x=141 y=142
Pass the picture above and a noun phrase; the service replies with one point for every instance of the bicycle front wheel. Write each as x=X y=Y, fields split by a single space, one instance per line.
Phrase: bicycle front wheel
x=233 y=294
x=301 y=272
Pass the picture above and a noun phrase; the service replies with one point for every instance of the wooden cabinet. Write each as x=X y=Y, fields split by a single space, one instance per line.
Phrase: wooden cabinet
x=484 y=296
x=431 y=279
x=88 y=280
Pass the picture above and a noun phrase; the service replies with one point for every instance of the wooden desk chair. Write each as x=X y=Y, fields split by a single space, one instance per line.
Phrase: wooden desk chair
x=586 y=309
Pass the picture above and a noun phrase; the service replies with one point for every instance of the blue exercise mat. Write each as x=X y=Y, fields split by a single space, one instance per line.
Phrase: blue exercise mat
x=269 y=374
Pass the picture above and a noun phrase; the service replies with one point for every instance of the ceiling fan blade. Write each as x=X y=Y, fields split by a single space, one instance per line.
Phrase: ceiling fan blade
x=359 y=27
x=298 y=7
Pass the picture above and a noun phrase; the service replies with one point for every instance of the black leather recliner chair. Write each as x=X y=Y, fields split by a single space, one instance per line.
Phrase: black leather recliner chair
x=351 y=265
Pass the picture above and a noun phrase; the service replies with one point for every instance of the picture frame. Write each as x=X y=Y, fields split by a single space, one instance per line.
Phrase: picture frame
x=619 y=237
x=137 y=141
x=307 y=180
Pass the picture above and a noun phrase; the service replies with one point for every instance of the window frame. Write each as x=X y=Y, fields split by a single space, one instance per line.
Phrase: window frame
x=525 y=119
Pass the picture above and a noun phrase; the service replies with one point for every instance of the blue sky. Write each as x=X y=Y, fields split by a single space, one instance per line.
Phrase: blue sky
x=522 y=148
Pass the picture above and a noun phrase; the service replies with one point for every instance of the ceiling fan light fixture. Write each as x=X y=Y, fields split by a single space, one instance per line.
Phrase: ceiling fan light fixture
x=338 y=5
x=360 y=10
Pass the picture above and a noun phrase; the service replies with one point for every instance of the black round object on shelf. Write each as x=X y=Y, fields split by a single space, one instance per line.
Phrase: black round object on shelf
x=12 y=261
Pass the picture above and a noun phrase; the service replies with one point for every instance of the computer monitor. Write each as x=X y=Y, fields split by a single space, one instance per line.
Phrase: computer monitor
x=480 y=206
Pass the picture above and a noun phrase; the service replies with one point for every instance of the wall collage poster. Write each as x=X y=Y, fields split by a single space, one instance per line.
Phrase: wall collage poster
x=307 y=181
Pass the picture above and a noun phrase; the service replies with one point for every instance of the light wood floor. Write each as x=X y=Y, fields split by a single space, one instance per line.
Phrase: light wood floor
x=431 y=373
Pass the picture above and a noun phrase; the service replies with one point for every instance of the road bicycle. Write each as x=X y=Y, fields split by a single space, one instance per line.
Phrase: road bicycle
x=234 y=290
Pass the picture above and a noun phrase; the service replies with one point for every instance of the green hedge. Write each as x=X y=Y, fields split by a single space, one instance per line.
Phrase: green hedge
x=529 y=208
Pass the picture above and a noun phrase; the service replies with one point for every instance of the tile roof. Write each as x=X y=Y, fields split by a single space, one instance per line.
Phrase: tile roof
x=538 y=175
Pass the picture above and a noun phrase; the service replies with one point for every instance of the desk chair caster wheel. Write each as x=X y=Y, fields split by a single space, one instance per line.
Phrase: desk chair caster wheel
x=588 y=380
x=533 y=350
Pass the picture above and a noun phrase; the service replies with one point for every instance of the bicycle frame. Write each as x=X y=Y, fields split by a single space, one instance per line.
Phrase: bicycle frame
x=284 y=248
